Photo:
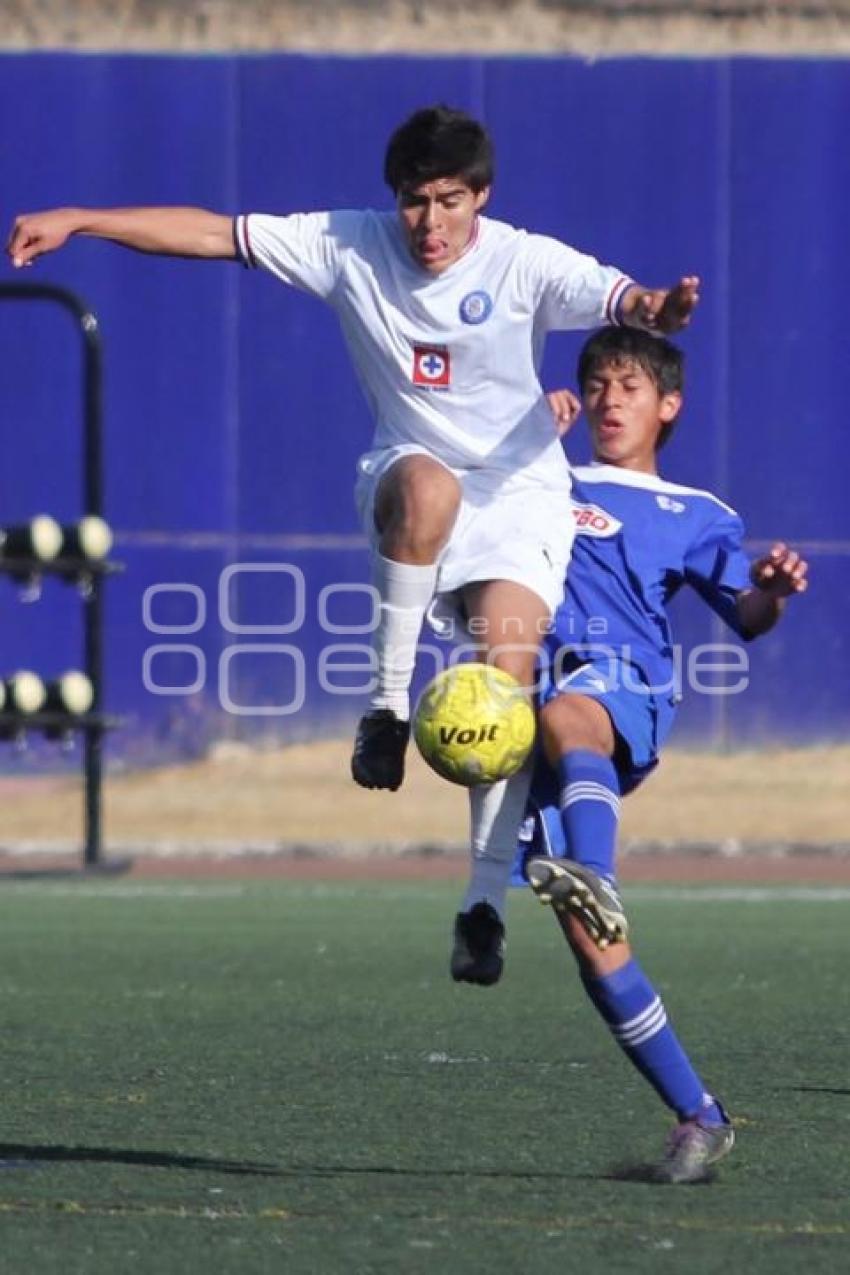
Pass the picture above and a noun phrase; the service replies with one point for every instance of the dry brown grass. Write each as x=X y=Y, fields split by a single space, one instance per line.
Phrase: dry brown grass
x=785 y=28
x=304 y=795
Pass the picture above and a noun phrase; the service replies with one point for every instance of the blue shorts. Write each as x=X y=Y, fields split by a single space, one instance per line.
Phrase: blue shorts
x=624 y=693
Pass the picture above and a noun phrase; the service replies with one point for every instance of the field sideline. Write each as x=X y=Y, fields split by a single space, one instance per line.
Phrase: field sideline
x=244 y=1076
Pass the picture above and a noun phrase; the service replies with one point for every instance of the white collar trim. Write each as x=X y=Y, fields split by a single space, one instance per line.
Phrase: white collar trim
x=597 y=472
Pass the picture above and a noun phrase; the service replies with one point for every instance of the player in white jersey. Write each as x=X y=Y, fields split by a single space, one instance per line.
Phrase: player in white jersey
x=608 y=693
x=445 y=313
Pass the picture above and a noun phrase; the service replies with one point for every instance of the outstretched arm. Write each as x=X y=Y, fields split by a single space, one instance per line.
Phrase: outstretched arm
x=660 y=309
x=776 y=577
x=171 y=232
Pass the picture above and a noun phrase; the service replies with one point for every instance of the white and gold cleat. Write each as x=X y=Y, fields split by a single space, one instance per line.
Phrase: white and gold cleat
x=574 y=890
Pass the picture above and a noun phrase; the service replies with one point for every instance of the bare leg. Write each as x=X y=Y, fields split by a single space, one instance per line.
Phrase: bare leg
x=415 y=509
x=509 y=619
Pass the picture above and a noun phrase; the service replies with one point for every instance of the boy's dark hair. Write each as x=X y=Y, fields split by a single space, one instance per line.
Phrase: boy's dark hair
x=662 y=361
x=435 y=142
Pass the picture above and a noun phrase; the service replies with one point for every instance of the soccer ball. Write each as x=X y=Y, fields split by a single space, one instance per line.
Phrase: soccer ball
x=474 y=724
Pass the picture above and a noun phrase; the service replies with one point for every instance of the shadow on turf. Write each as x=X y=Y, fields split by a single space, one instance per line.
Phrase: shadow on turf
x=15 y=1155
x=840 y=1093
x=648 y=1174
x=79 y=872
x=20 y=1153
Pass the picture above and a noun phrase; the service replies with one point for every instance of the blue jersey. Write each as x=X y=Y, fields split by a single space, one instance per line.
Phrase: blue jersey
x=639 y=539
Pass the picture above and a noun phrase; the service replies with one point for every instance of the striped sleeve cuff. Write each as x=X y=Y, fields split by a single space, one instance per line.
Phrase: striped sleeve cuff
x=615 y=300
x=242 y=241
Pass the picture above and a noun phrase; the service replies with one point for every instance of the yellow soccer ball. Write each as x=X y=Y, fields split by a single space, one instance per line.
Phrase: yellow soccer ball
x=474 y=724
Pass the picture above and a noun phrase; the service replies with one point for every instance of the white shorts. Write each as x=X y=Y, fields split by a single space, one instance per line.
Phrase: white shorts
x=518 y=533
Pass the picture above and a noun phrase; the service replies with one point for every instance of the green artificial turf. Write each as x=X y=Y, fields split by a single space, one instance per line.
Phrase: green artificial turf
x=256 y=1076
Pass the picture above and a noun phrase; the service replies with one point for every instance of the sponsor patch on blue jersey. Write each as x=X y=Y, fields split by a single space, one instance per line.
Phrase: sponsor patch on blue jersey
x=476 y=307
x=592 y=520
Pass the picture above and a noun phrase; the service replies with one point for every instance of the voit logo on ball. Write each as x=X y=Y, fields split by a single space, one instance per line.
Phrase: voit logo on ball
x=458 y=735
x=474 y=724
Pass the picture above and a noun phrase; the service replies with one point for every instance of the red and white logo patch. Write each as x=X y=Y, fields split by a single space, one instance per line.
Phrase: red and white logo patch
x=590 y=520
x=432 y=366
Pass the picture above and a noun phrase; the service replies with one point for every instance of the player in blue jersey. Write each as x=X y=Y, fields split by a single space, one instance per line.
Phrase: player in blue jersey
x=607 y=702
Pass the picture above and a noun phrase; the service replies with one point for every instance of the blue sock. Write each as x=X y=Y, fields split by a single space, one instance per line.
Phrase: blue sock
x=590 y=809
x=635 y=1014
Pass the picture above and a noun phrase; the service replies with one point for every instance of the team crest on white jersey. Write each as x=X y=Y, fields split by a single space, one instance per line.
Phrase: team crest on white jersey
x=672 y=506
x=476 y=307
x=432 y=366
x=591 y=520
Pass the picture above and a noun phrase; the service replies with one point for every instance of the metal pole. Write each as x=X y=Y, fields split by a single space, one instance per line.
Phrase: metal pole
x=93 y=601
x=93 y=504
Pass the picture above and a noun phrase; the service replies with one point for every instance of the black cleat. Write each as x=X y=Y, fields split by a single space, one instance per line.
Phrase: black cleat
x=478 y=954
x=379 y=748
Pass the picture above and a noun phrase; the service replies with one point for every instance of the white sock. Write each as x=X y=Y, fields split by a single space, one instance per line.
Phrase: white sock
x=496 y=812
x=405 y=591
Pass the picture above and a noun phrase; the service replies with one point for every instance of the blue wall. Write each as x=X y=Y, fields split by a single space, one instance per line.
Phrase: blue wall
x=232 y=418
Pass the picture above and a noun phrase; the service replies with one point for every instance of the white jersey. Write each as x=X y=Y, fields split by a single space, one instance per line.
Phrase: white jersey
x=450 y=361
